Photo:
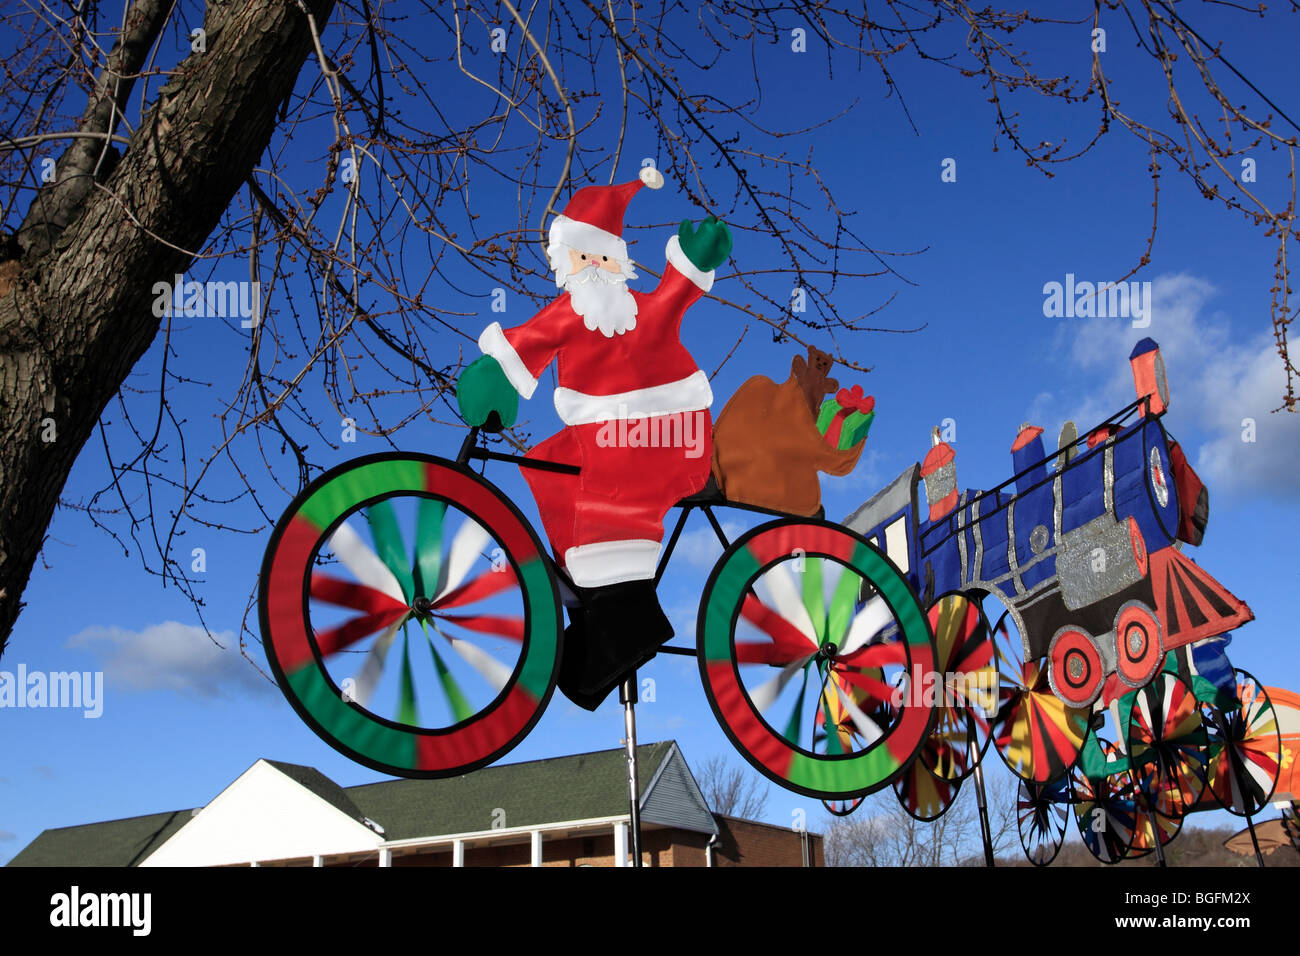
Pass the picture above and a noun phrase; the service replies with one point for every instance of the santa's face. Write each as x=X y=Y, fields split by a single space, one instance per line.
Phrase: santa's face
x=585 y=260
x=598 y=293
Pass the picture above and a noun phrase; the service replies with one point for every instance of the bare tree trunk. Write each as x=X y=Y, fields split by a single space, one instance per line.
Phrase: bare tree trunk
x=80 y=313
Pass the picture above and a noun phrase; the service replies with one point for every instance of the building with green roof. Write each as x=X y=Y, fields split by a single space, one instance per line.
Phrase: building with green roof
x=564 y=811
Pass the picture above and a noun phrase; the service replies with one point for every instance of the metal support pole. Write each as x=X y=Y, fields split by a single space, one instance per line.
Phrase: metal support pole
x=1151 y=811
x=1155 y=836
x=1259 y=857
x=985 y=831
x=627 y=697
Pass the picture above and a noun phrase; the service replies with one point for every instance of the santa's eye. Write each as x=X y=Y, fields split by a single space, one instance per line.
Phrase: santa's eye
x=604 y=258
x=584 y=258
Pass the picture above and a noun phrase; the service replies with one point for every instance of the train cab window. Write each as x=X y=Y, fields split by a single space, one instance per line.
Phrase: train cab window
x=896 y=543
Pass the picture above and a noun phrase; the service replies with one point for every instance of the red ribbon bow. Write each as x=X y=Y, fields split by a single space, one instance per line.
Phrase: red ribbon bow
x=853 y=399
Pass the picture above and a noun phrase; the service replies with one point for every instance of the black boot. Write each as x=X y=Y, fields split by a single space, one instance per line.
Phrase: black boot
x=622 y=626
x=573 y=662
x=625 y=626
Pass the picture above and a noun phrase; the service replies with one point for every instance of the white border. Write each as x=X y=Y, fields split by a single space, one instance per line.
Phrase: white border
x=677 y=259
x=585 y=237
x=493 y=342
x=690 y=394
x=611 y=562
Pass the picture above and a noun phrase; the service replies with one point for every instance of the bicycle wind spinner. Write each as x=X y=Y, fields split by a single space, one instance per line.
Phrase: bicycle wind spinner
x=417 y=623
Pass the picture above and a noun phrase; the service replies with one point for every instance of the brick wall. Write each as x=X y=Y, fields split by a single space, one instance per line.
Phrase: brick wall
x=749 y=843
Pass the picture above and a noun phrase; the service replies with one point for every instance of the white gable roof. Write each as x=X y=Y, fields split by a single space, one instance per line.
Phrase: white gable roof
x=264 y=815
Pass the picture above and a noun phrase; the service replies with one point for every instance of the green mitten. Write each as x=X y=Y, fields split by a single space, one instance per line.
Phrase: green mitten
x=708 y=246
x=483 y=389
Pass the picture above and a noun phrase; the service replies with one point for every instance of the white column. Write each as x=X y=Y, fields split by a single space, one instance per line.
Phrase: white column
x=385 y=856
x=457 y=852
x=535 y=837
x=620 y=844
x=316 y=860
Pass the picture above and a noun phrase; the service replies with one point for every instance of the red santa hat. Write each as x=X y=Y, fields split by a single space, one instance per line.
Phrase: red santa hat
x=593 y=219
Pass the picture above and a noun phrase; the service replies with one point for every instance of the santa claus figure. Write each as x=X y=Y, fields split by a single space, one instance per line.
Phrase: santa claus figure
x=635 y=408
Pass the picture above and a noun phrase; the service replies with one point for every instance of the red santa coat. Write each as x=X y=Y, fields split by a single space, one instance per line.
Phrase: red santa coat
x=636 y=407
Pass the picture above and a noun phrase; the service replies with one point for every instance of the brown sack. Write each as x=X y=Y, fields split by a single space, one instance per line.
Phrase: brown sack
x=767 y=449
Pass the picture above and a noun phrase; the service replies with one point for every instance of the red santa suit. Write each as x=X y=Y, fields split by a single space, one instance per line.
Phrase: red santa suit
x=636 y=410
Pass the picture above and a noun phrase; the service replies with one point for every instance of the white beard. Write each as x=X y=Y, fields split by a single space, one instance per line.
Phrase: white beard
x=603 y=301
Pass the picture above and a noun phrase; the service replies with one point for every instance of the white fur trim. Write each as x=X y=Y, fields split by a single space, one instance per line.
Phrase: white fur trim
x=677 y=259
x=493 y=342
x=689 y=394
x=585 y=237
x=612 y=562
x=652 y=177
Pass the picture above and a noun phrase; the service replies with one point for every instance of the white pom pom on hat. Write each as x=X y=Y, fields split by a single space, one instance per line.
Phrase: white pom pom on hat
x=652 y=177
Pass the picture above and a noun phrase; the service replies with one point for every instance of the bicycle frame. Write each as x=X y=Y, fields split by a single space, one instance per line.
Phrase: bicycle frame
x=704 y=500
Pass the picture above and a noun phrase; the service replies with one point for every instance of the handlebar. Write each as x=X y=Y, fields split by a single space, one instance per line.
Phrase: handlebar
x=469 y=449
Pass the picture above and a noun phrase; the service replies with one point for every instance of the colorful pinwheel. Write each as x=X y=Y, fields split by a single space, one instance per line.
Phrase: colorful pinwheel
x=1167 y=746
x=922 y=793
x=1245 y=748
x=1041 y=813
x=965 y=687
x=1037 y=735
x=1105 y=803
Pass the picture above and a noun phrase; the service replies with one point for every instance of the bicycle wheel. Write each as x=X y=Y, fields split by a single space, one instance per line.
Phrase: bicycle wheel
x=799 y=598
x=474 y=604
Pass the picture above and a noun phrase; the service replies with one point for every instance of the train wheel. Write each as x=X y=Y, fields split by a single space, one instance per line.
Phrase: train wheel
x=1138 y=645
x=816 y=658
x=1074 y=667
x=471 y=612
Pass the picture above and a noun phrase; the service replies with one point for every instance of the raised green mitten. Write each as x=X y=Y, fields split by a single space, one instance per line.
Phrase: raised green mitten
x=708 y=246
x=483 y=389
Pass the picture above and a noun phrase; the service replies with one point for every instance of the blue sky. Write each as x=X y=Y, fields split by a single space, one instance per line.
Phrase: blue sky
x=184 y=714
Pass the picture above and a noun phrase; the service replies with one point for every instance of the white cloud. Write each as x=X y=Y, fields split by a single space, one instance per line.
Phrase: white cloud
x=683 y=614
x=871 y=471
x=1218 y=379
x=6 y=836
x=172 y=656
x=700 y=546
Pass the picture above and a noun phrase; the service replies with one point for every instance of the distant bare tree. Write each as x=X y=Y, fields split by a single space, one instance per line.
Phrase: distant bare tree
x=731 y=791
x=881 y=833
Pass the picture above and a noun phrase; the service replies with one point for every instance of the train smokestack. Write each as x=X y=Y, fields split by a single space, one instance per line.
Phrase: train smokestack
x=940 y=473
x=1149 y=378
